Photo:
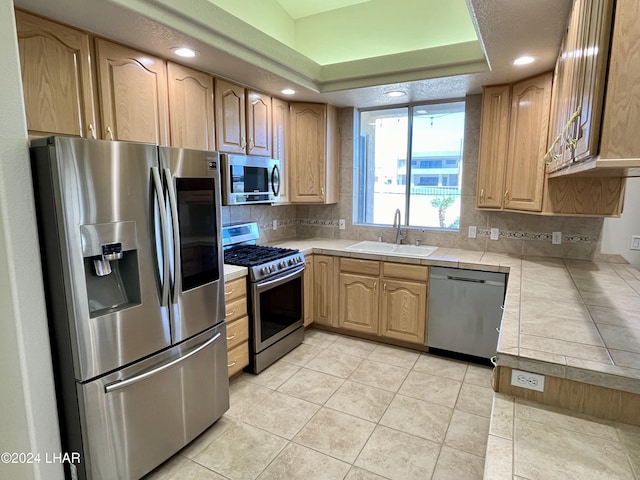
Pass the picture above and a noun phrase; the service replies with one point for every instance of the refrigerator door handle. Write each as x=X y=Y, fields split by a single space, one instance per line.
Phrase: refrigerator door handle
x=173 y=205
x=130 y=381
x=164 y=281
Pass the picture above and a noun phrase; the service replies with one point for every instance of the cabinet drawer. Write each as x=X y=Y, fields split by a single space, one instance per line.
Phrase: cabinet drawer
x=238 y=358
x=235 y=309
x=235 y=289
x=367 y=267
x=405 y=271
x=237 y=332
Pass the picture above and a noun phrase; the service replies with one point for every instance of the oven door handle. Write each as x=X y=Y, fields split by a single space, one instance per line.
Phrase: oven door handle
x=279 y=280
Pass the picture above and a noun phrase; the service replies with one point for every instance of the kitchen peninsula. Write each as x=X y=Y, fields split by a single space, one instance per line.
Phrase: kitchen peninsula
x=574 y=321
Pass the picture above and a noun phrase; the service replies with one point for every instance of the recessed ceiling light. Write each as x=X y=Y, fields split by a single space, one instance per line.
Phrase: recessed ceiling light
x=396 y=93
x=524 y=60
x=288 y=91
x=185 y=52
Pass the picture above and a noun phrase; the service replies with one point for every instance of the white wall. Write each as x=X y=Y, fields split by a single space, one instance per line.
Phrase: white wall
x=28 y=416
x=616 y=232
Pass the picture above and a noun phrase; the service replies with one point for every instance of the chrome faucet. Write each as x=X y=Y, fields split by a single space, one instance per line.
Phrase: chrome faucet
x=396 y=223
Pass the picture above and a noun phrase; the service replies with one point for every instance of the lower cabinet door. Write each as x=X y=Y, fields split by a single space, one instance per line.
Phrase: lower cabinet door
x=358 y=303
x=404 y=310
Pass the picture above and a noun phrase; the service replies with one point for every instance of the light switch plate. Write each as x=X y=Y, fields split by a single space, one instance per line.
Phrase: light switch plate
x=556 y=238
x=275 y=224
x=635 y=242
x=495 y=234
x=341 y=224
x=473 y=231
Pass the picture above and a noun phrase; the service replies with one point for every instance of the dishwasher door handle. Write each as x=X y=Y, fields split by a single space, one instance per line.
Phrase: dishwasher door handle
x=464 y=279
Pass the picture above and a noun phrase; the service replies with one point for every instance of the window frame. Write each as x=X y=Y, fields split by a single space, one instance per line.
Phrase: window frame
x=360 y=161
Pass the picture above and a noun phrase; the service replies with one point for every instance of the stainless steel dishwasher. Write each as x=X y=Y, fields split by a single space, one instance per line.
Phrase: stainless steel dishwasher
x=465 y=310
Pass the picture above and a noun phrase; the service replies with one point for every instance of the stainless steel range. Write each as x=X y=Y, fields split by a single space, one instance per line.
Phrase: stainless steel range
x=275 y=283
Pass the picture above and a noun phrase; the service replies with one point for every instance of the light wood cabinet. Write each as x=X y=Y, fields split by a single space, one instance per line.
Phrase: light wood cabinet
x=235 y=296
x=494 y=128
x=308 y=290
x=405 y=290
x=231 y=135
x=577 y=106
x=281 y=135
x=314 y=160
x=598 y=97
x=57 y=82
x=358 y=297
x=528 y=130
x=323 y=289
x=514 y=128
x=243 y=120
x=259 y=124
x=133 y=94
x=385 y=299
x=190 y=108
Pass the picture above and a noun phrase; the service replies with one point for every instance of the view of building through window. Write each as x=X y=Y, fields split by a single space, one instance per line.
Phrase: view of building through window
x=422 y=143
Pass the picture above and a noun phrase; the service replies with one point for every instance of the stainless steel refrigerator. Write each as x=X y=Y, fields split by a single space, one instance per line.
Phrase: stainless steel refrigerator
x=132 y=260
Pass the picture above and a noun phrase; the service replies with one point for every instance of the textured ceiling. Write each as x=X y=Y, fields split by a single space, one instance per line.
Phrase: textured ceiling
x=233 y=49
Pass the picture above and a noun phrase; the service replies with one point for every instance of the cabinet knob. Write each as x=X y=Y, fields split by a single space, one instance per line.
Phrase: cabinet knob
x=92 y=132
x=229 y=365
x=232 y=336
x=244 y=142
x=109 y=133
x=251 y=144
x=384 y=288
x=322 y=191
x=506 y=196
x=482 y=194
x=375 y=286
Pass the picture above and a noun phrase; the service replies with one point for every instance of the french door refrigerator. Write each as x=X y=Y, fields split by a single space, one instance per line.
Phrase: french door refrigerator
x=132 y=260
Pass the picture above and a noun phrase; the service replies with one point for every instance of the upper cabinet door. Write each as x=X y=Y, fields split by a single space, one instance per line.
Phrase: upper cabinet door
x=493 y=146
x=308 y=140
x=231 y=135
x=258 y=123
x=190 y=108
x=133 y=94
x=529 y=126
x=56 y=77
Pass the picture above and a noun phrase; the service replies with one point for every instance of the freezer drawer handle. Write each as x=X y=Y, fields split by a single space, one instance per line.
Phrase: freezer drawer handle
x=130 y=381
x=463 y=279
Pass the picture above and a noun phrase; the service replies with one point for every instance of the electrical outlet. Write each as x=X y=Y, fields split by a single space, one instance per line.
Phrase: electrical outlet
x=635 y=242
x=275 y=224
x=341 y=224
x=528 y=380
x=556 y=238
x=495 y=234
x=473 y=231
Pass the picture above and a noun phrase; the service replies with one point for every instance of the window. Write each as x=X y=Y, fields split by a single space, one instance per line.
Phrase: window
x=422 y=143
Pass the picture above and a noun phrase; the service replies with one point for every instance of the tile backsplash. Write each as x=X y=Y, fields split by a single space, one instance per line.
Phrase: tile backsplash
x=520 y=233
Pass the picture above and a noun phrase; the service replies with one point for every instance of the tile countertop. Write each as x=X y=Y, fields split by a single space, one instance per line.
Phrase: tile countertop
x=567 y=318
x=231 y=272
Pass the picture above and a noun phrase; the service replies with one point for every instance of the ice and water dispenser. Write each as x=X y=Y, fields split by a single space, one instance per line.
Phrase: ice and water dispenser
x=110 y=267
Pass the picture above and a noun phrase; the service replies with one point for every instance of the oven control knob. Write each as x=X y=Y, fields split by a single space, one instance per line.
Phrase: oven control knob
x=291 y=261
x=298 y=260
x=282 y=264
x=273 y=268
x=264 y=270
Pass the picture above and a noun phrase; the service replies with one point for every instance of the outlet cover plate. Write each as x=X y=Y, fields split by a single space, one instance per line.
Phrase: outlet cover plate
x=635 y=242
x=528 y=380
x=341 y=224
x=473 y=231
x=556 y=238
x=275 y=224
x=495 y=234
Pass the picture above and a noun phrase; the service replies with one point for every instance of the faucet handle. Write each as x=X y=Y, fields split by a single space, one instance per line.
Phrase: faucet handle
x=418 y=242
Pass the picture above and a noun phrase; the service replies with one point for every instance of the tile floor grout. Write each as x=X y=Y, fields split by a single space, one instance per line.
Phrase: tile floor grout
x=460 y=380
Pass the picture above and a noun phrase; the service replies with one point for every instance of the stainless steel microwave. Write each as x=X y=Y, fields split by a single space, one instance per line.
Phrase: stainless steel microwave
x=248 y=179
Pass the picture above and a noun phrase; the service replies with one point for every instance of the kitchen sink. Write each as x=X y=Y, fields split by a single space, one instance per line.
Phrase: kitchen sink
x=392 y=249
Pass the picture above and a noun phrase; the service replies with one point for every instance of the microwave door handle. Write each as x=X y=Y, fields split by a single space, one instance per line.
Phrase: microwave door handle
x=173 y=206
x=164 y=274
x=275 y=180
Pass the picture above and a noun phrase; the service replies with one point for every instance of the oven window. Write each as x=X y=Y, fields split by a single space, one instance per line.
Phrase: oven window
x=256 y=179
x=280 y=307
x=198 y=236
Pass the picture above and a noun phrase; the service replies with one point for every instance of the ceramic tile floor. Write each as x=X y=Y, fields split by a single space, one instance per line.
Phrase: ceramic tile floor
x=536 y=442
x=342 y=408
